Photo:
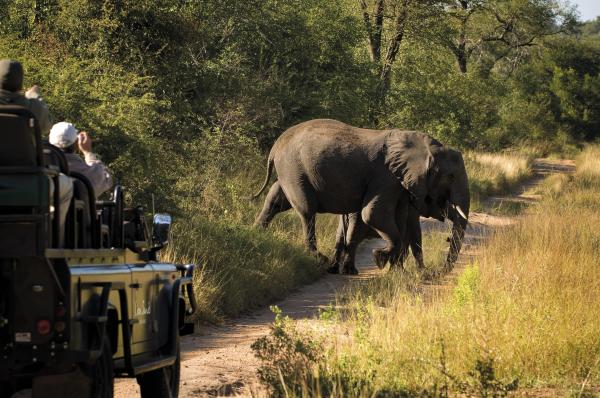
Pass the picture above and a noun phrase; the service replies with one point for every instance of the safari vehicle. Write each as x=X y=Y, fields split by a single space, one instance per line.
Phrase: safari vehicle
x=82 y=305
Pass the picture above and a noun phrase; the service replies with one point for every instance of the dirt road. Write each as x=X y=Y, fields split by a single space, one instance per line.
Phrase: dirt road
x=219 y=361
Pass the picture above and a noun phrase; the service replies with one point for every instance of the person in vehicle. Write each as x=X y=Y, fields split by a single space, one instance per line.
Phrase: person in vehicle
x=11 y=87
x=65 y=136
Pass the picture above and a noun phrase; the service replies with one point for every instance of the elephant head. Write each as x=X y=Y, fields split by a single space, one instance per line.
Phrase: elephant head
x=436 y=178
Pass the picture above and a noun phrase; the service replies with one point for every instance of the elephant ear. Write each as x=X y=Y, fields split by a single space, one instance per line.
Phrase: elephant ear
x=409 y=157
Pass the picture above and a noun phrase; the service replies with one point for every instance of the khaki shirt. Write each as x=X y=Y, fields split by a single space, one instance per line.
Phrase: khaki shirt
x=93 y=169
x=34 y=103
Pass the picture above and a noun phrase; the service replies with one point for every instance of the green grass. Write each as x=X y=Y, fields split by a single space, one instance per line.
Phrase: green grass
x=524 y=314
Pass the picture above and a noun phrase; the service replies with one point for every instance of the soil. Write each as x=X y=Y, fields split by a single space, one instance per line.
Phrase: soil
x=219 y=362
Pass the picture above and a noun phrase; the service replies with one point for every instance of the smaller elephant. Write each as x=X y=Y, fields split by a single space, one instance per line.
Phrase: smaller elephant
x=352 y=230
x=351 y=227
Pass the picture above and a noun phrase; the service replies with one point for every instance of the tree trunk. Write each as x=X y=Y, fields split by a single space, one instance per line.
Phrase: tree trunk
x=373 y=30
x=378 y=30
x=392 y=53
x=461 y=54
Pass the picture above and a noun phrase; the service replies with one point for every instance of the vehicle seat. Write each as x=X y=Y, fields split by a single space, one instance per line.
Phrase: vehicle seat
x=24 y=197
x=89 y=227
x=135 y=230
x=55 y=159
x=111 y=214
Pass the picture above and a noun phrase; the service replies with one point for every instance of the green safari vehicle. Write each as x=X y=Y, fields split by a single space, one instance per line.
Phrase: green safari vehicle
x=86 y=302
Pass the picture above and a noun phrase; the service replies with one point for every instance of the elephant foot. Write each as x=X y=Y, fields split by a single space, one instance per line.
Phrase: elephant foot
x=381 y=257
x=334 y=269
x=397 y=268
x=322 y=259
x=350 y=270
x=396 y=264
x=448 y=266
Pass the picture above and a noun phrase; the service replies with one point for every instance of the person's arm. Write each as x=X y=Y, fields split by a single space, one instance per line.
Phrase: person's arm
x=97 y=173
x=39 y=109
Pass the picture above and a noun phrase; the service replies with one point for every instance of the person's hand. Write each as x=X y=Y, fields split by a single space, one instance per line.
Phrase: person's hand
x=85 y=142
x=33 y=92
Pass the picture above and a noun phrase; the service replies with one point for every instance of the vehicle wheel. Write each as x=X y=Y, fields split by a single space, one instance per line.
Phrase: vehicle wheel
x=102 y=373
x=163 y=382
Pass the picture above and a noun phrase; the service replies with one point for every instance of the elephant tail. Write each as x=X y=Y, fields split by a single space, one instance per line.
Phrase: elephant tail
x=267 y=178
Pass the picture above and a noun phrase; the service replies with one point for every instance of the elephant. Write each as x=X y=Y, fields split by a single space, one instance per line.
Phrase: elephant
x=326 y=166
x=276 y=202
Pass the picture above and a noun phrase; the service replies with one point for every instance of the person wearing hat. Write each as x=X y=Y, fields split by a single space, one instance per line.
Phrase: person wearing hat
x=65 y=136
x=11 y=86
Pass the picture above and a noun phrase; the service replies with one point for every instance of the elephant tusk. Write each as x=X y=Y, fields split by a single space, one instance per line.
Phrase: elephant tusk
x=459 y=210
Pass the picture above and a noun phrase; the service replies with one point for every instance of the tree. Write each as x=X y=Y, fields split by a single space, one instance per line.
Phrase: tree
x=385 y=23
x=498 y=29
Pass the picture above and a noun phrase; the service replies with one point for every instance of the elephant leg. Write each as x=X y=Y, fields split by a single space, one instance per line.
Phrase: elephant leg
x=340 y=246
x=308 y=226
x=275 y=202
x=356 y=233
x=403 y=252
x=389 y=221
x=348 y=237
x=403 y=214
x=414 y=236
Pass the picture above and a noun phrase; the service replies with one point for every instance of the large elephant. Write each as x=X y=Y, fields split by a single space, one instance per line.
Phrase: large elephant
x=325 y=166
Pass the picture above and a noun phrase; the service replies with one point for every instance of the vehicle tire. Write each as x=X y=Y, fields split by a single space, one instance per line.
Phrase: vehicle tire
x=163 y=382
x=102 y=373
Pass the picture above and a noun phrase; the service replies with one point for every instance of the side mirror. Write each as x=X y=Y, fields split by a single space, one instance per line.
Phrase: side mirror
x=161 y=227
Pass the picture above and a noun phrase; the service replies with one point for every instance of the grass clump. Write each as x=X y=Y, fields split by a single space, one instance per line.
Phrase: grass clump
x=524 y=315
x=240 y=268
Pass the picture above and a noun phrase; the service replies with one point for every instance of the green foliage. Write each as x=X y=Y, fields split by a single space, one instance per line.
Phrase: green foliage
x=465 y=292
x=288 y=357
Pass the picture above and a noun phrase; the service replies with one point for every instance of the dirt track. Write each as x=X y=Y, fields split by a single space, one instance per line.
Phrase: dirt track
x=219 y=361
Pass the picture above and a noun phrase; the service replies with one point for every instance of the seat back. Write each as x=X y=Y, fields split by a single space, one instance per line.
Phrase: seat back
x=89 y=222
x=55 y=158
x=24 y=185
x=20 y=138
x=111 y=214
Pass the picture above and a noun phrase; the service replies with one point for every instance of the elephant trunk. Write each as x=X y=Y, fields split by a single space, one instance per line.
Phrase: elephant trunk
x=458 y=213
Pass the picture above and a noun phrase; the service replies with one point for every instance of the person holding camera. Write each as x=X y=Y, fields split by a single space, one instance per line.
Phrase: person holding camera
x=11 y=87
x=65 y=136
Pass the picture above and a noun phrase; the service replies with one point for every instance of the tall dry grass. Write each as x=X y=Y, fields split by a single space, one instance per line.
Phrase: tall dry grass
x=525 y=313
x=495 y=173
